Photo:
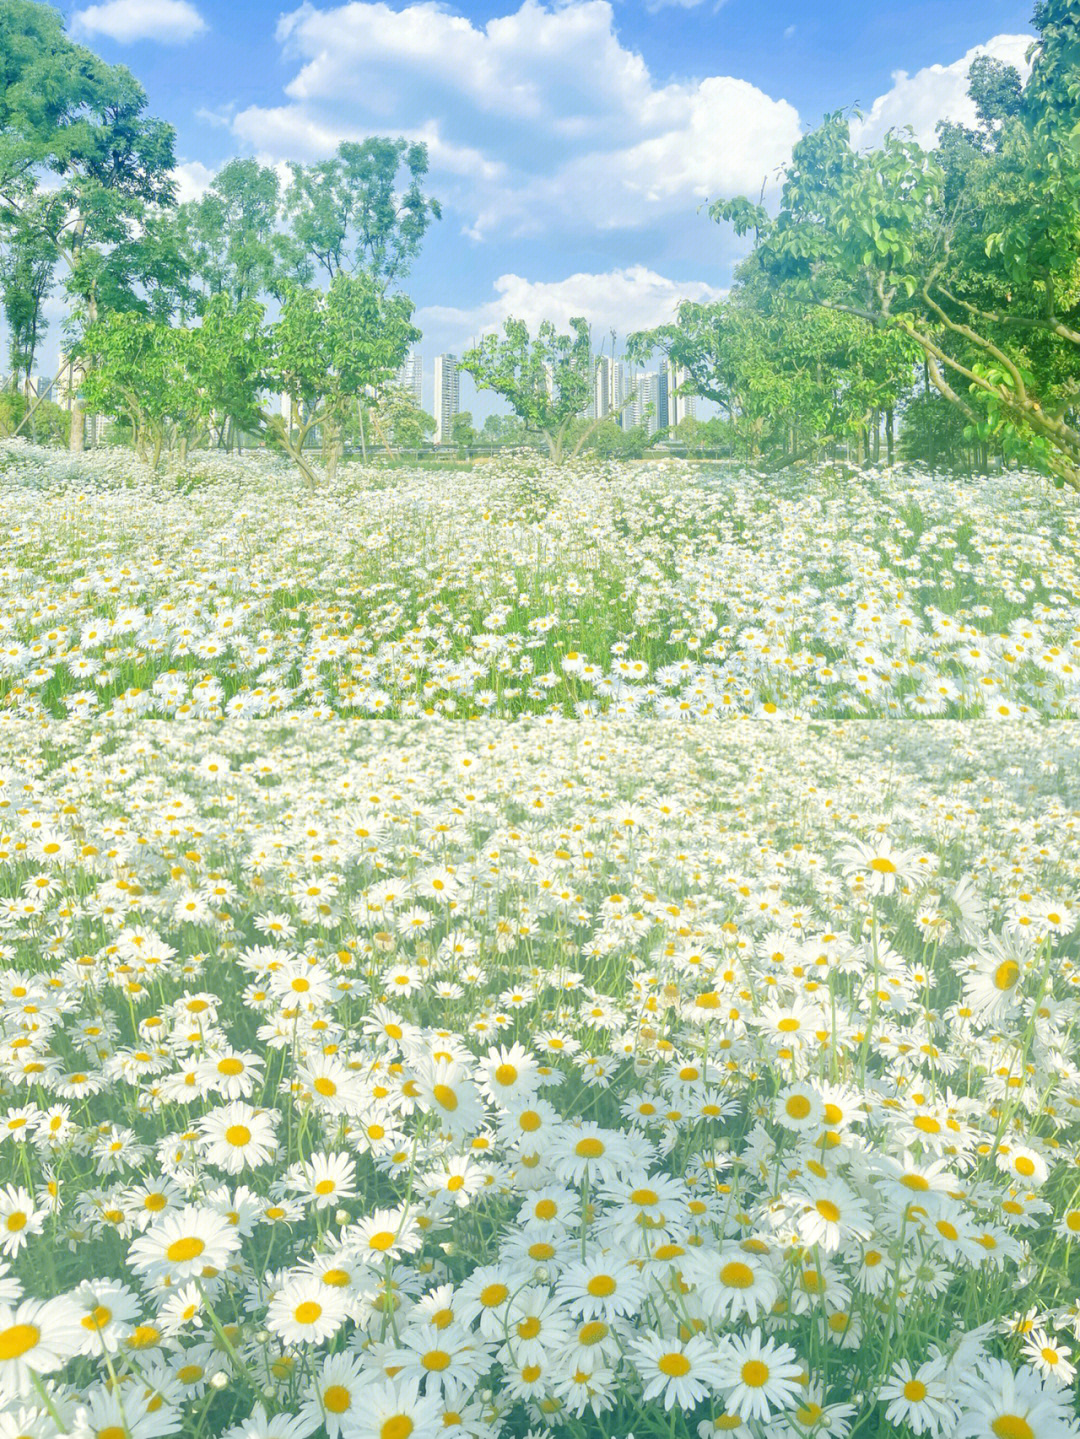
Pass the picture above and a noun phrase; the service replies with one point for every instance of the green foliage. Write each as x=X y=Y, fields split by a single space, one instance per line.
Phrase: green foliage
x=141 y=368
x=228 y=237
x=503 y=430
x=357 y=213
x=972 y=253
x=46 y=425
x=462 y=432
x=611 y=442
x=325 y=351
x=548 y=381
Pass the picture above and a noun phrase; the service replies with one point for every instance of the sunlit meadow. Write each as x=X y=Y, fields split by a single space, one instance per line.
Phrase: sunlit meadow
x=588 y=1075
x=659 y=590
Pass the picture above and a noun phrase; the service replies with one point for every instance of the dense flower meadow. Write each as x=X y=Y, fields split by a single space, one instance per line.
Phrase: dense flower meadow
x=417 y=1079
x=659 y=590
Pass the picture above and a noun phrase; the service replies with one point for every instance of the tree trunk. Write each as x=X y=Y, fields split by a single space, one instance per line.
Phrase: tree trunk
x=77 y=433
x=890 y=432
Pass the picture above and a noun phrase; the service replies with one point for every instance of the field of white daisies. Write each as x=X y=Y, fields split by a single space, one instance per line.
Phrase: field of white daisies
x=657 y=590
x=569 y=1072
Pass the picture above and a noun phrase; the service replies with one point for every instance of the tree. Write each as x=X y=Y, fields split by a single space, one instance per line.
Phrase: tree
x=80 y=163
x=325 y=351
x=27 y=267
x=352 y=213
x=142 y=368
x=789 y=379
x=503 y=430
x=229 y=237
x=547 y=381
x=971 y=253
x=462 y=433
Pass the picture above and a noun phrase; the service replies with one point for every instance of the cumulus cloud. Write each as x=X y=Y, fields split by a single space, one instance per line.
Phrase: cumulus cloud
x=537 y=122
x=169 y=21
x=193 y=179
x=937 y=92
x=634 y=298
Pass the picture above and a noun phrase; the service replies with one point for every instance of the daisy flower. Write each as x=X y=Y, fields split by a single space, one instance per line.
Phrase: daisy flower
x=602 y=1286
x=38 y=1337
x=446 y=1091
x=236 y=1136
x=397 y=1410
x=306 y=1311
x=758 y=1378
x=587 y=1148
x=384 y=1234
x=830 y=1213
x=732 y=1283
x=1000 y=1403
x=325 y=1180
x=335 y=1396
x=1049 y=1357
x=184 y=1245
x=682 y=1374
x=509 y=1075
x=20 y=1217
x=919 y=1398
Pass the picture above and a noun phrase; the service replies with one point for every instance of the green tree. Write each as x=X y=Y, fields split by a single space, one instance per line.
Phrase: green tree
x=326 y=351
x=27 y=268
x=972 y=253
x=82 y=166
x=141 y=368
x=363 y=210
x=503 y=430
x=548 y=381
x=229 y=237
x=462 y=432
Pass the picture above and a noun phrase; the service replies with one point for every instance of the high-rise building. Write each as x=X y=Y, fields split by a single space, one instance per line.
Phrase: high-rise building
x=602 y=388
x=411 y=377
x=644 y=409
x=680 y=406
x=447 y=396
x=662 y=419
x=618 y=389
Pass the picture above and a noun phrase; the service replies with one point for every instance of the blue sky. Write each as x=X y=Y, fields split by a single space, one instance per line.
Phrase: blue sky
x=571 y=143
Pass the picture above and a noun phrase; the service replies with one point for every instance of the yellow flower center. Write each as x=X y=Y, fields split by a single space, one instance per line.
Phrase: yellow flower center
x=398 y=1426
x=18 y=1340
x=589 y=1148
x=673 y=1365
x=1012 y=1426
x=181 y=1251
x=336 y=1399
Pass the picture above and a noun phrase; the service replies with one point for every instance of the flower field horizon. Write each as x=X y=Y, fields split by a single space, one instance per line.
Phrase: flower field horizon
x=382 y=1060
x=661 y=590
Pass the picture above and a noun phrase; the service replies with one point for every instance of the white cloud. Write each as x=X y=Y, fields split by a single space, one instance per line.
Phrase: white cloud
x=634 y=298
x=193 y=179
x=539 y=122
x=169 y=21
x=937 y=92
